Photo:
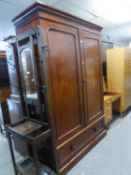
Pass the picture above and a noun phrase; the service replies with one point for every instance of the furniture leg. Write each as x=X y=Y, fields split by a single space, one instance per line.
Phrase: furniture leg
x=35 y=156
x=11 y=152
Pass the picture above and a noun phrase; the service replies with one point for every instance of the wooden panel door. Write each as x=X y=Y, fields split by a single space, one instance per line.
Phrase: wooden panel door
x=91 y=75
x=65 y=80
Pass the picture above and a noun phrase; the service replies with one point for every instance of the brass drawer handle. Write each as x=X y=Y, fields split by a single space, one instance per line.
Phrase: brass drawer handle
x=73 y=147
x=95 y=129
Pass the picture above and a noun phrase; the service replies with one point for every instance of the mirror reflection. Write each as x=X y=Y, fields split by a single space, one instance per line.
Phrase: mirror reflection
x=28 y=74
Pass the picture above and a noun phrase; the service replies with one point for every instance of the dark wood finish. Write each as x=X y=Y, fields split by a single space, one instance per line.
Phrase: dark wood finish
x=67 y=74
x=16 y=115
x=4 y=94
x=34 y=136
x=13 y=75
x=21 y=146
x=11 y=152
x=15 y=110
x=36 y=10
x=4 y=115
x=65 y=80
x=4 y=77
x=82 y=153
x=13 y=69
x=71 y=148
x=31 y=80
x=15 y=104
x=4 y=90
x=91 y=75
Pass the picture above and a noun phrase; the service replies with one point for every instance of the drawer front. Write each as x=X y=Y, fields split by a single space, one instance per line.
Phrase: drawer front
x=108 y=112
x=68 y=150
x=108 y=117
x=107 y=105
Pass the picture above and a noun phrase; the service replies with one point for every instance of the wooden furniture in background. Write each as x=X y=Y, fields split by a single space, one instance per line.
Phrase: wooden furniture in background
x=109 y=100
x=57 y=60
x=104 y=46
x=15 y=102
x=4 y=77
x=4 y=115
x=119 y=74
x=32 y=132
x=4 y=90
x=4 y=94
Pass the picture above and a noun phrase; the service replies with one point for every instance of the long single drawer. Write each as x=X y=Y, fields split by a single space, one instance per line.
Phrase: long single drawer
x=70 y=148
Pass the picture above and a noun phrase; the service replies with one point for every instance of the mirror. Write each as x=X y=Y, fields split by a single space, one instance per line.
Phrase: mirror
x=29 y=74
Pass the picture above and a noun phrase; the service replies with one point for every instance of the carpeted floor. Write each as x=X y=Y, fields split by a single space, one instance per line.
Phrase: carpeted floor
x=112 y=156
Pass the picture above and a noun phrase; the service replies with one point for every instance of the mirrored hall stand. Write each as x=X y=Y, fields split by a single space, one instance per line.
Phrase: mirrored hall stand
x=33 y=132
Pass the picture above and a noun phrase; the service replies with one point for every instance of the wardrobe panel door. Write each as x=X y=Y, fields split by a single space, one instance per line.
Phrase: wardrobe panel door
x=65 y=82
x=91 y=75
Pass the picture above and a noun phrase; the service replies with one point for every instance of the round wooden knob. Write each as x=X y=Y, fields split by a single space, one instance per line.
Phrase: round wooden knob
x=73 y=147
x=95 y=129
